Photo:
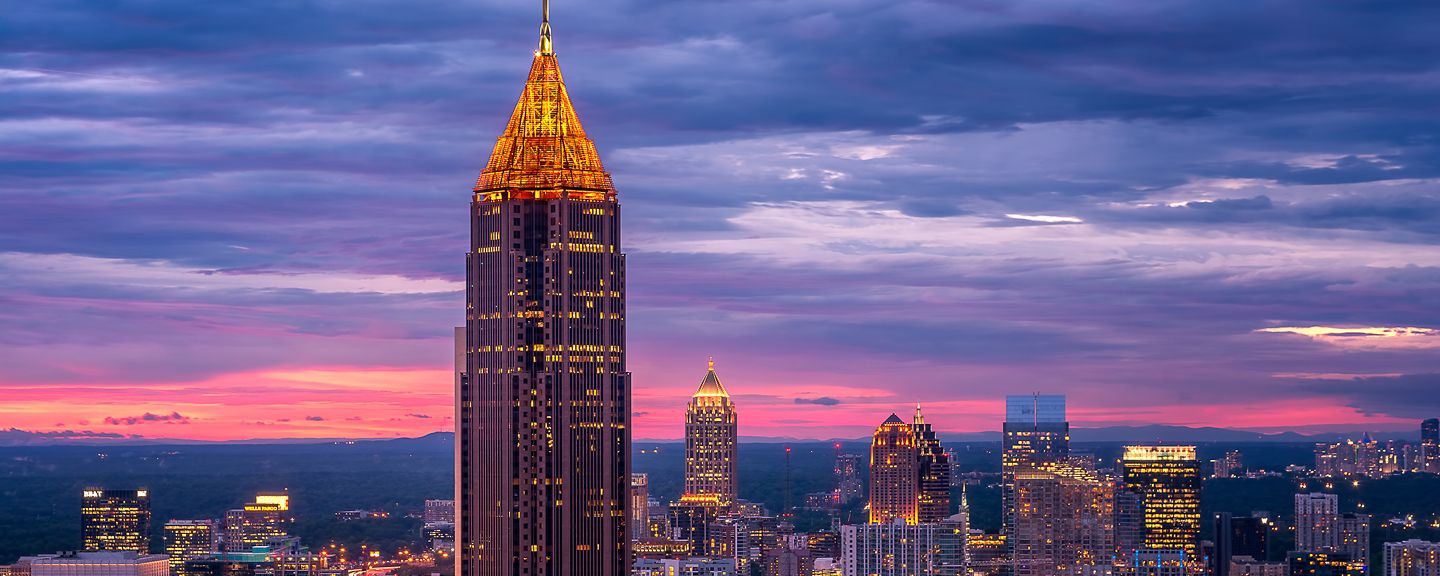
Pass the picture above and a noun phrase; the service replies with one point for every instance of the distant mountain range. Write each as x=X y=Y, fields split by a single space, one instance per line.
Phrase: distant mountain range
x=438 y=440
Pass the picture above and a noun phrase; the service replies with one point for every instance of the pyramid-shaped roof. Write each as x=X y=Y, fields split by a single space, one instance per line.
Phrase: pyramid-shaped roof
x=710 y=386
x=544 y=147
x=893 y=419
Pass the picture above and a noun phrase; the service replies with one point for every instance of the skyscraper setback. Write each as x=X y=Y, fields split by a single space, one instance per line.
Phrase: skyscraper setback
x=544 y=401
x=934 y=471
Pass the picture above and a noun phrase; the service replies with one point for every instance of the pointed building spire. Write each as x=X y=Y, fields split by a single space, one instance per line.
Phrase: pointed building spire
x=546 y=46
x=710 y=385
x=919 y=418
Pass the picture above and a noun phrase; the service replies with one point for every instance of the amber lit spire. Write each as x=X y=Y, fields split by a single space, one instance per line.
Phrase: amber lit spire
x=710 y=385
x=544 y=153
x=547 y=48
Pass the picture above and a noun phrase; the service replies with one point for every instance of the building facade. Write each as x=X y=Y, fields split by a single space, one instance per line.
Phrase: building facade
x=897 y=548
x=256 y=523
x=1323 y=564
x=1247 y=537
x=187 y=540
x=438 y=511
x=933 y=468
x=107 y=563
x=1035 y=431
x=1412 y=558
x=1167 y=478
x=544 y=402
x=1315 y=515
x=639 y=505
x=1064 y=520
x=711 y=438
x=894 y=473
x=848 y=486
x=115 y=520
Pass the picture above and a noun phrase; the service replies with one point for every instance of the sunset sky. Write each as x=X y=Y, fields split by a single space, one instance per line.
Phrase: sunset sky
x=224 y=220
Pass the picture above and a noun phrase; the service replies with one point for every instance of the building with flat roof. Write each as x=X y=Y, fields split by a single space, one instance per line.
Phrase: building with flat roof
x=115 y=520
x=107 y=563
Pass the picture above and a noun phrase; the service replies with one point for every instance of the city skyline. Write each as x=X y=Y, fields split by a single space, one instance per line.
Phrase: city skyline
x=206 y=225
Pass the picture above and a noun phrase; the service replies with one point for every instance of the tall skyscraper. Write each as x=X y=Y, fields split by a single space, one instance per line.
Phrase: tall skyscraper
x=1238 y=536
x=115 y=520
x=1035 y=431
x=848 y=485
x=1354 y=538
x=256 y=523
x=544 y=426
x=1430 y=446
x=710 y=440
x=1064 y=520
x=439 y=511
x=1315 y=516
x=894 y=473
x=1167 y=478
x=639 y=505
x=187 y=540
x=934 y=471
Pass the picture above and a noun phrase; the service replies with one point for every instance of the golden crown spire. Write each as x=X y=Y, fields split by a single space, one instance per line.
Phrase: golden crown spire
x=546 y=45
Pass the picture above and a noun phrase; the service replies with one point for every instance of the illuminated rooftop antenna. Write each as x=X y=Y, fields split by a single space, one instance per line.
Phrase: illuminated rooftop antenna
x=547 y=48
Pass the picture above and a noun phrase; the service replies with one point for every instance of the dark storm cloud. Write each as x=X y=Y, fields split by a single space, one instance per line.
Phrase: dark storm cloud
x=1404 y=396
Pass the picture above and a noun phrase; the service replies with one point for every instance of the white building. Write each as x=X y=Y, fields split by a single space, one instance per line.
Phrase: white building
x=101 y=564
x=900 y=549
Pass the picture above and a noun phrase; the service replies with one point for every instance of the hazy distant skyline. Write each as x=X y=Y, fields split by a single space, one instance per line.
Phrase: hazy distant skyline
x=247 y=220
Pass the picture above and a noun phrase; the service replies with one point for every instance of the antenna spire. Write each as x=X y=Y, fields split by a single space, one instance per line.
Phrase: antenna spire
x=546 y=46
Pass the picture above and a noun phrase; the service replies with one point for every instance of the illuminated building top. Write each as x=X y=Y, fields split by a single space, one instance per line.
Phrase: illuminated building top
x=543 y=152
x=710 y=386
x=711 y=441
x=1159 y=453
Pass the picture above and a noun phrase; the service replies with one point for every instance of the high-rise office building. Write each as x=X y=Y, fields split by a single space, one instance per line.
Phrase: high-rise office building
x=1064 y=520
x=1353 y=538
x=1315 y=515
x=1129 y=522
x=848 y=485
x=257 y=523
x=439 y=511
x=1412 y=558
x=787 y=561
x=115 y=520
x=1429 y=449
x=1167 y=478
x=894 y=473
x=934 y=470
x=710 y=440
x=187 y=540
x=106 y=563
x=1246 y=536
x=544 y=427
x=1035 y=431
x=896 y=548
x=639 y=505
